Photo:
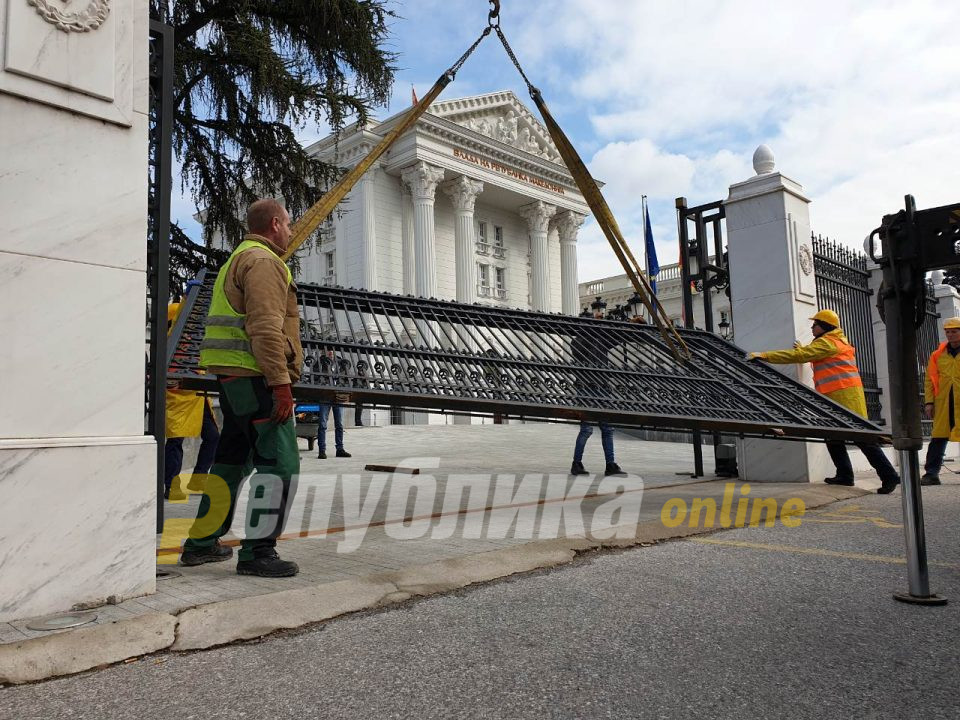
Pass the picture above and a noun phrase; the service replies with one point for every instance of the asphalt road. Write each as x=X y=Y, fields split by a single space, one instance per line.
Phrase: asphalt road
x=753 y=623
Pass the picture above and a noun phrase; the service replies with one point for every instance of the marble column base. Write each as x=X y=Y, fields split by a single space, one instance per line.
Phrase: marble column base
x=77 y=522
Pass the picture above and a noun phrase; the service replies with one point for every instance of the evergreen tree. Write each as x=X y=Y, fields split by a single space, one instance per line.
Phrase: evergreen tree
x=246 y=73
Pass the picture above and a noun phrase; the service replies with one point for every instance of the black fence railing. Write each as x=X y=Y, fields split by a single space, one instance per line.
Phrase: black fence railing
x=424 y=354
x=843 y=285
x=928 y=338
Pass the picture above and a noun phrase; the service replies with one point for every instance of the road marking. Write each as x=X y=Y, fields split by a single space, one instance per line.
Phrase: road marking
x=816 y=551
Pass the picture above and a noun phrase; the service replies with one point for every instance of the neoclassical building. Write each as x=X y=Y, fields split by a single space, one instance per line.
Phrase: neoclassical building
x=472 y=204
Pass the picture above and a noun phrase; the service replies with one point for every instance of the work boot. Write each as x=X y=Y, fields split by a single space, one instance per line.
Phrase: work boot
x=839 y=481
x=176 y=494
x=321 y=455
x=613 y=470
x=343 y=453
x=888 y=487
x=217 y=553
x=577 y=468
x=930 y=478
x=268 y=565
x=195 y=484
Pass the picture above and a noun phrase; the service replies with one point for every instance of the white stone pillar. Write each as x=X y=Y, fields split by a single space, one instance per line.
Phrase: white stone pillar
x=368 y=237
x=880 y=343
x=538 y=214
x=773 y=295
x=406 y=235
x=78 y=483
x=422 y=179
x=568 y=224
x=463 y=193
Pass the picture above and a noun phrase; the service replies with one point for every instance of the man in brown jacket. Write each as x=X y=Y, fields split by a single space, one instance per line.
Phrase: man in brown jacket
x=252 y=343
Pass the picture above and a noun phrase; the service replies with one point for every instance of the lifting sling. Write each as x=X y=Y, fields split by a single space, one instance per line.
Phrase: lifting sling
x=313 y=217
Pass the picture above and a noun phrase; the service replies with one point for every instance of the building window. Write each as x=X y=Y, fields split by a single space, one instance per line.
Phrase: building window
x=501 y=287
x=483 y=280
x=483 y=246
x=499 y=251
x=330 y=268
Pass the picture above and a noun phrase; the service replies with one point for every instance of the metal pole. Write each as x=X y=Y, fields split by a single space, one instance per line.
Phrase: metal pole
x=903 y=279
x=687 y=295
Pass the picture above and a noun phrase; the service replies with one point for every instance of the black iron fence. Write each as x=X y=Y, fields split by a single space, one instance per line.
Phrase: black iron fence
x=928 y=338
x=413 y=353
x=843 y=285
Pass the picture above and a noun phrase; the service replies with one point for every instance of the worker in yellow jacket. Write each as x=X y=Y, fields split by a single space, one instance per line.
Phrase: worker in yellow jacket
x=835 y=374
x=940 y=388
x=188 y=415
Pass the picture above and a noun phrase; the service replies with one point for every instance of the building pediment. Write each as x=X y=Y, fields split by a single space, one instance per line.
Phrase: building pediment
x=502 y=117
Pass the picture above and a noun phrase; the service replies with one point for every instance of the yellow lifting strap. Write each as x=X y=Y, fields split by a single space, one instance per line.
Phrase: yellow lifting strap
x=313 y=217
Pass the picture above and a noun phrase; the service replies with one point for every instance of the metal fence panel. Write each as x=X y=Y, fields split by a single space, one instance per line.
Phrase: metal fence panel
x=843 y=286
x=412 y=353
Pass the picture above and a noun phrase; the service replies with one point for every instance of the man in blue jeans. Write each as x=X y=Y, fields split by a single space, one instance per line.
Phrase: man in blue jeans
x=589 y=352
x=324 y=413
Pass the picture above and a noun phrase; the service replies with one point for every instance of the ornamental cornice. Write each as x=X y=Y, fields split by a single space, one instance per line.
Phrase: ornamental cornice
x=463 y=192
x=422 y=179
x=537 y=214
x=568 y=224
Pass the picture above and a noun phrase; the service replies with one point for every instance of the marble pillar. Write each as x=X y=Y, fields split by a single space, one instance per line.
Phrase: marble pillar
x=538 y=214
x=368 y=240
x=422 y=179
x=773 y=296
x=568 y=224
x=78 y=486
x=406 y=239
x=463 y=193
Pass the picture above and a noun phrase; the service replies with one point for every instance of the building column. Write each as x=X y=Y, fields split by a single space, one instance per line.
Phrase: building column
x=406 y=235
x=463 y=193
x=422 y=179
x=368 y=241
x=538 y=214
x=568 y=224
x=773 y=296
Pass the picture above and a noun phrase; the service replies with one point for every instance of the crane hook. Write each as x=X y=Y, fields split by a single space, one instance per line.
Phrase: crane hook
x=494 y=14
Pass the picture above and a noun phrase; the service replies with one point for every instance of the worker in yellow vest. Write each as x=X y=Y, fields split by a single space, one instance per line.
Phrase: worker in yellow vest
x=252 y=344
x=835 y=374
x=188 y=415
x=941 y=392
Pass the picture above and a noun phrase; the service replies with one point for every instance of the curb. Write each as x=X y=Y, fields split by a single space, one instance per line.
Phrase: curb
x=221 y=623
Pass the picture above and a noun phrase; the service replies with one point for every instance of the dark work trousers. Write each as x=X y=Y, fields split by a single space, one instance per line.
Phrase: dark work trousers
x=173 y=450
x=358 y=415
x=249 y=440
x=879 y=462
x=935 y=452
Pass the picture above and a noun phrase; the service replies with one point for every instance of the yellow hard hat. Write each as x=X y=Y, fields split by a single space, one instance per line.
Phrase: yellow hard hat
x=951 y=323
x=173 y=309
x=827 y=316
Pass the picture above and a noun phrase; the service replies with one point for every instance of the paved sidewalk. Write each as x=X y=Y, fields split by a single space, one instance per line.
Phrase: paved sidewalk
x=483 y=491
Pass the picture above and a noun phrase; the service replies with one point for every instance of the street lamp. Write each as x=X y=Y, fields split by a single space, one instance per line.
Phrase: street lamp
x=598 y=305
x=635 y=303
x=724 y=325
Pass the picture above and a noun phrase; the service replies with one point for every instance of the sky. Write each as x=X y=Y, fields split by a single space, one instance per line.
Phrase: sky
x=858 y=100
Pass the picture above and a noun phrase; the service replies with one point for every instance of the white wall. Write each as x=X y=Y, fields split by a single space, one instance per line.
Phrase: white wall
x=77 y=475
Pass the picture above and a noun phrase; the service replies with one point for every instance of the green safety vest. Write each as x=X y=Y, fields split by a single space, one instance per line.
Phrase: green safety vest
x=225 y=341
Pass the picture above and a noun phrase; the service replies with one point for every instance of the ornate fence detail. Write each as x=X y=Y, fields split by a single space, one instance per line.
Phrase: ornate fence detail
x=928 y=337
x=843 y=285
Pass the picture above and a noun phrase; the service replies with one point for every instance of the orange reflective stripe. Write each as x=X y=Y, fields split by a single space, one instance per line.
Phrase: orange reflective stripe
x=837 y=372
x=933 y=370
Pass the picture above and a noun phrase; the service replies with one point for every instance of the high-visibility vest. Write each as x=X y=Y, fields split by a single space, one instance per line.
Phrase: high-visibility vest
x=837 y=371
x=933 y=370
x=225 y=341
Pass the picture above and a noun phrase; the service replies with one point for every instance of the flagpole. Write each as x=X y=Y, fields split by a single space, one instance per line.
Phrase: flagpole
x=646 y=249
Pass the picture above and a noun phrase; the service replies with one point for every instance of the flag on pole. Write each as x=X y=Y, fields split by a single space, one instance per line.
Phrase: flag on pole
x=653 y=266
x=413 y=94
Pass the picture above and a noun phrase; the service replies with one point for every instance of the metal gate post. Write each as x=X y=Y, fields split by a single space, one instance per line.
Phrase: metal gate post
x=903 y=278
x=158 y=237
